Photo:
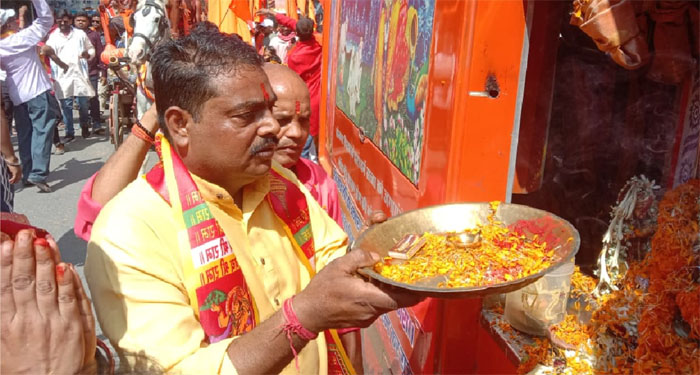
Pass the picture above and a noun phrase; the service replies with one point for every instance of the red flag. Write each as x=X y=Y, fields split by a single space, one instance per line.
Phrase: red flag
x=241 y=9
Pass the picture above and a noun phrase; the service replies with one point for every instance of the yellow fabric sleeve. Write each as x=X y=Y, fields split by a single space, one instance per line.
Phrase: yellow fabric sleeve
x=135 y=278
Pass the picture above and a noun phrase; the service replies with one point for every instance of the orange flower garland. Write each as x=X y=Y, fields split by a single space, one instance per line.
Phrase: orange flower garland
x=632 y=330
x=689 y=304
x=660 y=349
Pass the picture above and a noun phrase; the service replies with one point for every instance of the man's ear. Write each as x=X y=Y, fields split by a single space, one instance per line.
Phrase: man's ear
x=177 y=120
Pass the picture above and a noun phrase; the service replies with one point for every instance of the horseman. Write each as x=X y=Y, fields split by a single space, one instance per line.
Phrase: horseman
x=115 y=18
x=138 y=25
x=115 y=15
x=118 y=18
x=151 y=27
x=147 y=23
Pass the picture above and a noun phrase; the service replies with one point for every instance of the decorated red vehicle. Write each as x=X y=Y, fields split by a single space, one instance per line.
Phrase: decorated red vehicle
x=534 y=102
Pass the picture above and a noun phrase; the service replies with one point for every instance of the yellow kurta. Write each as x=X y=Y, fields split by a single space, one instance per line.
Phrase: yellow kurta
x=134 y=269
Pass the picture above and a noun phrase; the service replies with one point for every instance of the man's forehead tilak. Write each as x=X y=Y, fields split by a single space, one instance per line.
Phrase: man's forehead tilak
x=240 y=102
x=264 y=91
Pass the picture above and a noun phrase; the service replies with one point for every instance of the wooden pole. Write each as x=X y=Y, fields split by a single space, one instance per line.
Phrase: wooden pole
x=224 y=17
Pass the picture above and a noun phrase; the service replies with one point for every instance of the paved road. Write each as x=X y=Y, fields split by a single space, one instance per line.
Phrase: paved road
x=56 y=211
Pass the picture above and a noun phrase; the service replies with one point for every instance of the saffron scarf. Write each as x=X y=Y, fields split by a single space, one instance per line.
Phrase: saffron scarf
x=215 y=283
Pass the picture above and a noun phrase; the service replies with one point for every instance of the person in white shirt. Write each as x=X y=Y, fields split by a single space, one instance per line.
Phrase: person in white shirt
x=73 y=47
x=283 y=42
x=36 y=110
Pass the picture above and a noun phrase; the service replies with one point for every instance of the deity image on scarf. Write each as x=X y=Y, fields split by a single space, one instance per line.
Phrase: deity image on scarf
x=234 y=313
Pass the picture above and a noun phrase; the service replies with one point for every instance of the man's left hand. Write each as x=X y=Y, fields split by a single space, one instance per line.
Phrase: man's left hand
x=15 y=173
x=15 y=168
x=85 y=55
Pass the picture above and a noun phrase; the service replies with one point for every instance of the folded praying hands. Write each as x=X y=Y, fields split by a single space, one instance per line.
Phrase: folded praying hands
x=46 y=317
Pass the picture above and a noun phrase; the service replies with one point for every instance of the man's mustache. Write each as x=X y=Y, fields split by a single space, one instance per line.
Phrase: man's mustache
x=285 y=142
x=263 y=144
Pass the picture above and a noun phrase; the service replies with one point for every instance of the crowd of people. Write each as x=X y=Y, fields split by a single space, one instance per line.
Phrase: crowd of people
x=47 y=68
x=229 y=255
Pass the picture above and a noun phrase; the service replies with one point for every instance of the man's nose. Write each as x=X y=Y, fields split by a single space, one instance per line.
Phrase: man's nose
x=293 y=129
x=268 y=125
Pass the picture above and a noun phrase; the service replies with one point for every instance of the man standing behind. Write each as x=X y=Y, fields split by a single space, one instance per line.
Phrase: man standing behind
x=305 y=59
x=96 y=25
x=283 y=42
x=73 y=47
x=36 y=110
x=292 y=111
x=95 y=69
x=102 y=89
x=263 y=34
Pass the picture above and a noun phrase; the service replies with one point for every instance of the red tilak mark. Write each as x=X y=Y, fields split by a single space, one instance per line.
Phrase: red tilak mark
x=297 y=107
x=265 y=94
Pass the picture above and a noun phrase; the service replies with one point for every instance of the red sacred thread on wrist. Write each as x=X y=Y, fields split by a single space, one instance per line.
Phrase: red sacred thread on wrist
x=140 y=133
x=148 y=132
x=293 y=325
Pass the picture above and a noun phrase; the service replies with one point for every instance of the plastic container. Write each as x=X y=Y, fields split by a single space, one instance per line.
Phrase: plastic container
x=535 y=307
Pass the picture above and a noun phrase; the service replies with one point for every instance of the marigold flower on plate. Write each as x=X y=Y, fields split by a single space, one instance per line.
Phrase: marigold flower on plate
x=502 y=254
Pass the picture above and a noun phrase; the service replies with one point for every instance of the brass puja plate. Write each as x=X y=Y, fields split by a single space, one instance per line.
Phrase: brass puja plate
x=381 y=238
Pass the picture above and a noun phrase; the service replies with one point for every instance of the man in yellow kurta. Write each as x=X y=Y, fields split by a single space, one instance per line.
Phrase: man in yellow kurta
x=208 y=264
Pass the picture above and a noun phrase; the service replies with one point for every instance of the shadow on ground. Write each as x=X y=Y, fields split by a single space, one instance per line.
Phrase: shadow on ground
x=81 y=143
x=73 y=249
x=72 y=171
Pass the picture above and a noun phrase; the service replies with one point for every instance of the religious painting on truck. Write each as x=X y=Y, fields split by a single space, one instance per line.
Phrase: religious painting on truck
x=382 y=74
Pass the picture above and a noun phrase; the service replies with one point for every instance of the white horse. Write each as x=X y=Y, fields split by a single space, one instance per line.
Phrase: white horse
x=151 y=26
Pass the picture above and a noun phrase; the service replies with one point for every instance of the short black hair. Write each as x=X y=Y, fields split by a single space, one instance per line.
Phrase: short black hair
x=305 y=28
x=64 y=13
x=117 y=25
x=184 y=70
x=273 y=55
x=82 y=14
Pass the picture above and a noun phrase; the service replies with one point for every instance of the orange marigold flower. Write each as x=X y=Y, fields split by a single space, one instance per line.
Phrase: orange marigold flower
x=502 y=254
